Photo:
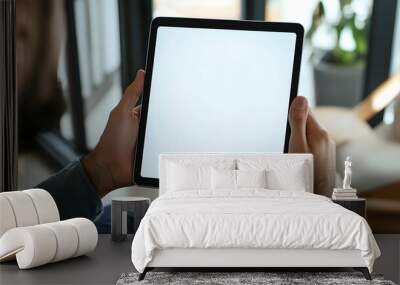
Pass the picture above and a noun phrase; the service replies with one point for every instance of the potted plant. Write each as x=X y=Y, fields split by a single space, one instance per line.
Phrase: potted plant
x=339 y=71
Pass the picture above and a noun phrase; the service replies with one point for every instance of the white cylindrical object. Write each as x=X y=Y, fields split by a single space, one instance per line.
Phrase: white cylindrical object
x=7 y=218
x=87 y=235
x=33 y=246
x=45 y=205
x=67 y=240
x=23 y=207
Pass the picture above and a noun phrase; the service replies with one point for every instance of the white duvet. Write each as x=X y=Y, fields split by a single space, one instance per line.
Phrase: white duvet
x=250 y=219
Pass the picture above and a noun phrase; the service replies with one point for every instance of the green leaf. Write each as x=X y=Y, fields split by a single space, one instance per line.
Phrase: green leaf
x=347 y=19
x=344 y=3
x=317 y=19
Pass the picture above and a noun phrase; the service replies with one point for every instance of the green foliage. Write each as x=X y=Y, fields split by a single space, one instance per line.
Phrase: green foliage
x=347 y=20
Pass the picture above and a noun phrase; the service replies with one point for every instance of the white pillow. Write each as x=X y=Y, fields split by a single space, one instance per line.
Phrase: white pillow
x=293 y=175
x=187 y=177
x=223 y=179
x=237 y=179
x=295 y=180
x=189 y=174
x=251 y=178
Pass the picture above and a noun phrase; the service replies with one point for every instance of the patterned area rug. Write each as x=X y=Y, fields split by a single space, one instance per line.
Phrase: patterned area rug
x=232 y=278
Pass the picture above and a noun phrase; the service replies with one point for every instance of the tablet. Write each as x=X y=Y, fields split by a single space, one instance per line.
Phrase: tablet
x=216 y=86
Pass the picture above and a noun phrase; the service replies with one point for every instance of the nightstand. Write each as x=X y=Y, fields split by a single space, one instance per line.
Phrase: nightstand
x=119 y=215
x=358 y=206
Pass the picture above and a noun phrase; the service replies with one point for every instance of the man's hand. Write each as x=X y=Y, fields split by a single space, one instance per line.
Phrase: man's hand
x=307 y=136
x=110 y=164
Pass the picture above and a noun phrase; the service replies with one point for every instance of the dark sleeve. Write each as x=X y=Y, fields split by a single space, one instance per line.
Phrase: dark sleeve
x=73 y=192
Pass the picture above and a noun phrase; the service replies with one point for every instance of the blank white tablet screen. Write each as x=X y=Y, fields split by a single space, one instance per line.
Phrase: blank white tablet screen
x=217 y=90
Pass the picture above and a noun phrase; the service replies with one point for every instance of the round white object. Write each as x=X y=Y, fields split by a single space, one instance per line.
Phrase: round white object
x=87 y=235
x=36 y=245
x=33 y=246
x=7 y=218
x=23 y=208
x=45 y=205
x=67 y=240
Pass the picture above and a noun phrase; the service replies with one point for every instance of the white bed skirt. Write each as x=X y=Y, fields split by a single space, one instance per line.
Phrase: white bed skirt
x=193 y=257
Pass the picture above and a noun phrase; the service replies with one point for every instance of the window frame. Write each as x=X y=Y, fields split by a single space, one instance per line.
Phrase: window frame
x=53 y=144
x=380 y=44
x=253 y=10
x=134 y=23
x=74 y=80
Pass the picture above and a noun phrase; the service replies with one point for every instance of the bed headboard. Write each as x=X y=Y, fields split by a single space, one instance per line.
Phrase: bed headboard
x=237 y=159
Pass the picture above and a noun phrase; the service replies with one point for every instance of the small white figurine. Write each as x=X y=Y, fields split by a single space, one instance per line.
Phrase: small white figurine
x=347 y=192
x=347 y=174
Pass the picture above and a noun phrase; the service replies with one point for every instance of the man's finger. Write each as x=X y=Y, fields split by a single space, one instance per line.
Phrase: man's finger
x=136 y=112
x=312 y=124
x=297 y=119
x=138 y=108
x=134 y=90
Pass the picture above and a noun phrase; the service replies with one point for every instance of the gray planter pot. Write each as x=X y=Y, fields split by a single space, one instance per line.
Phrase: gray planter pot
x=337 y=85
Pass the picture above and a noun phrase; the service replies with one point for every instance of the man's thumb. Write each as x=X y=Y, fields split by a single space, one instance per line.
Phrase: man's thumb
x=297 y=119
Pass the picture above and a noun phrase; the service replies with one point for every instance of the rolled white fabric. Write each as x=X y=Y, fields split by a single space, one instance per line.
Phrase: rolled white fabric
x=31 y=232
x=67 y=240
x=33 y=246
x=7 y=218
x=87 y=235
x=23 y=208
x=45 y=205
x=37 y=245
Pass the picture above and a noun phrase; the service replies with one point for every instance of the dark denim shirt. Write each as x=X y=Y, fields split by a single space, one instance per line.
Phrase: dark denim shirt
x=76 y=196
x=73 y=192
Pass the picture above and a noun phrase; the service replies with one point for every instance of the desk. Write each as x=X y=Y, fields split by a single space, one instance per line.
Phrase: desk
x=102 y=266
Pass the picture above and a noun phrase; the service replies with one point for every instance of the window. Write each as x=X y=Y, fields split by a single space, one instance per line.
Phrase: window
x=97 y=34
x=78 y=52
x=394 y=108
x=107 y=44
x=324 y=39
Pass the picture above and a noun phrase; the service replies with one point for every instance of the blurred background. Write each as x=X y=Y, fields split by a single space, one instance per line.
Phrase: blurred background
x=75 y=57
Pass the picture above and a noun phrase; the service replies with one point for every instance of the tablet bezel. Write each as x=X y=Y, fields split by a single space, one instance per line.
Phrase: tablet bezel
x=295 y=28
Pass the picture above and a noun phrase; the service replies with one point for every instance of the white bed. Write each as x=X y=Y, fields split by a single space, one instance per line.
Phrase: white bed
x=205 y=226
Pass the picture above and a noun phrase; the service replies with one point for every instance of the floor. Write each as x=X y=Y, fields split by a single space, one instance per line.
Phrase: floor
x=96 y=268
x=389 y=262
